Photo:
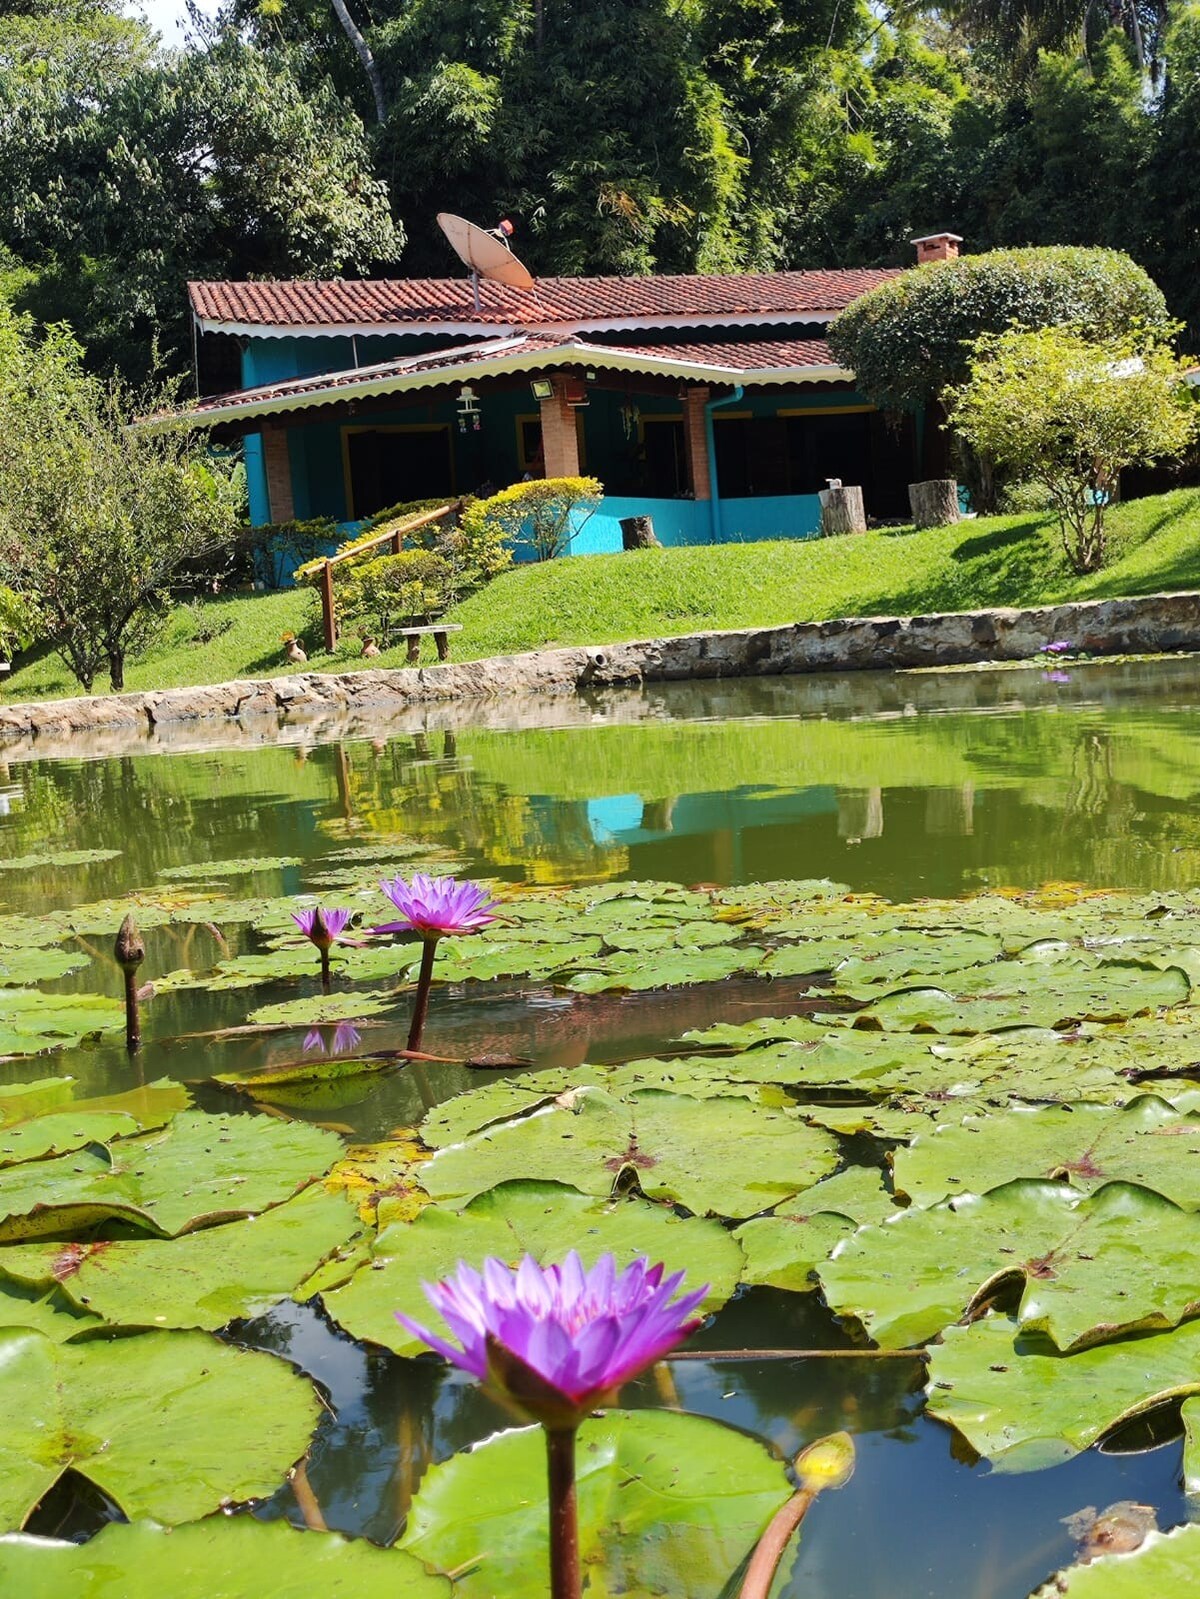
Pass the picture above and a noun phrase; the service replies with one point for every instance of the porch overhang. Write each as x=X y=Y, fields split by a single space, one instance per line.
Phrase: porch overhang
x=783 y=362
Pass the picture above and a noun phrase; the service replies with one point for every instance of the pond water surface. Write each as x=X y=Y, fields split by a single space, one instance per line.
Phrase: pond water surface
x=908 y=785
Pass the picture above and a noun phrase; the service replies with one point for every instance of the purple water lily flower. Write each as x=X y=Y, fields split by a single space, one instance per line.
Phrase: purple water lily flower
x=554 y=1342
x=1060 y=646
x=436 y=906
x=321 y=925
x=1056 y=677
x=557 y=1341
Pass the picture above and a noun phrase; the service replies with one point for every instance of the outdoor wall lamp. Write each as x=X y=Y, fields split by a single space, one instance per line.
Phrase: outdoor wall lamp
x=543 y=389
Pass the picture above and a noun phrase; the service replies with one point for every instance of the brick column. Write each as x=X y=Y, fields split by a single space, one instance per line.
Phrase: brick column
x=278 y=467
x=560 y=441
x=695 y=441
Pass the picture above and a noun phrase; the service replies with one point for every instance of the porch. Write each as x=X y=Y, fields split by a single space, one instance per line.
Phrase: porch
x=710 y=464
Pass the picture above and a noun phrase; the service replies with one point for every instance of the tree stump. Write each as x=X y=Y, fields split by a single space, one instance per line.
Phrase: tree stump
x=935 y=502
x=637 y=533
x=842 y=511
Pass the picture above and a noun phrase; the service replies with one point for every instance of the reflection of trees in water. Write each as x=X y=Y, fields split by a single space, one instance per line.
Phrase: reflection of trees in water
x=405 y=790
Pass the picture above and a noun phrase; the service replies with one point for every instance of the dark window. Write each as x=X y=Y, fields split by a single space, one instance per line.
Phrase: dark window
x=666 y=474
x=796 y=454
x=389 y=466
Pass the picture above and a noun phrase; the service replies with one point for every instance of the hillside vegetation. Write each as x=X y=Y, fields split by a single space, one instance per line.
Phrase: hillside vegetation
x=599 y=599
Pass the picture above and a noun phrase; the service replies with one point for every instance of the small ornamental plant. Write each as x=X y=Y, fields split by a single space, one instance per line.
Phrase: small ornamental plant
x=323 y=927
x=554 y=1343
x=434 y=907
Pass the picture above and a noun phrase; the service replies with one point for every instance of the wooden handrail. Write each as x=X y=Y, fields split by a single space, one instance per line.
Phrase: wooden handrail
x=392 y=534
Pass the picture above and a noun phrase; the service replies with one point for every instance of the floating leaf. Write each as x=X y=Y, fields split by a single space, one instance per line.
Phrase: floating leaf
x=42 y=1310
x=233 y=1557
x=31 y=1021
x=235 y=868
x=202 y=1169
x=719 y=1156
x=169 y=1425
x=538 y=1218
x=1167 y=1563
x=66 y=857
x=1147 y=1142
x=1024 y=1406
x=783 y=1249
x=1090 y=1269
x=382 y=1179
x=668 y=1504
x=1189 y=1414
x=19 y=967
x=317 y=1008
x=205 y=1279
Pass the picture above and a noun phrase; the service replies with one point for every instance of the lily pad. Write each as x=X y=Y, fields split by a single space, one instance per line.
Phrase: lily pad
x=718 y=1156
x=316 y=1008
x=784 y=1249
x=202 y=1169
x=65 y=857
x=1089 y=1269
x=19 y=967
x=42 y=1310
x=234 y=868
x=668 y=1504
x=205 y=1279
x=1147 y=1142
x=1167 y=1563
x=31 y=1021
x=1023 y=1405
x=169 y=1425
x=538 y=1218
x=235 y=1557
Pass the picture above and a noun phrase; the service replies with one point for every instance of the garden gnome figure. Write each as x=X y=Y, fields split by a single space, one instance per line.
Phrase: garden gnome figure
x=369 y=647
x=130 y=952
x=295 y=653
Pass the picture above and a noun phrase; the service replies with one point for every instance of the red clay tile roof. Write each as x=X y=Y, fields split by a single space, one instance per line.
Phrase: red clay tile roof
x=312 y=306
x=765 y=361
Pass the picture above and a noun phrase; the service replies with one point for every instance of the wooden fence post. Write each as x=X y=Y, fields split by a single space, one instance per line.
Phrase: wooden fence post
x=328 y=614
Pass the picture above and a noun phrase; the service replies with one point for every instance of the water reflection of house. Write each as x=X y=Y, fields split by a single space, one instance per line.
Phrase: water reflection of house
x=712 y=403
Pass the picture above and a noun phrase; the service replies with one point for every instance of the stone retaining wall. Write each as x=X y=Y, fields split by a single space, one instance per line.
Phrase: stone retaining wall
x=1147 y=624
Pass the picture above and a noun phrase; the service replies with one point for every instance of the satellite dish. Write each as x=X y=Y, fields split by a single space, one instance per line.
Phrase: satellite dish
x=484 y=254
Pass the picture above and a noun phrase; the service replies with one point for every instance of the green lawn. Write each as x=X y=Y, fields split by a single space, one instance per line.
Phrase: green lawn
x=600 y=599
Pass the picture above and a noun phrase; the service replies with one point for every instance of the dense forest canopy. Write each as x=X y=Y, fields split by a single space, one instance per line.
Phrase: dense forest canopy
x=319 y=137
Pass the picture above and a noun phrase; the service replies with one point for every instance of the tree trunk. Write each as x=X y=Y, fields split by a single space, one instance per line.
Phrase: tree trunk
x=637 y=533
x=116 y=670
x=935 y=502
x=363 y=51
x=842 y=511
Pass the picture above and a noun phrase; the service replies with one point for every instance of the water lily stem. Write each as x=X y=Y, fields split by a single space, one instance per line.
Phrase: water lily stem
x=764 y=1562
x=133 y=1013
x=325 y=977
x=564 y=1514
x=421 y=1002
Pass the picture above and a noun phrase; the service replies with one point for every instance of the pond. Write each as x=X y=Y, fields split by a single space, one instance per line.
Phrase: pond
x=1015 y=792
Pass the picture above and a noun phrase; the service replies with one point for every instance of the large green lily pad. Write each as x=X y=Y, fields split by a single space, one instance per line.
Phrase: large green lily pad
x=668 y=1504
x=718 y=1156
x=200 y=1170
x=19 y=967
x=537 y=1218
x=169 y=1425
x=225 y=1557
x=1147 y=1142
x=1167 y=1564
x=33 y=1122
x=1024 y=1406
x=1089 y=1269
x=31 y=1021
x=38 y=1308
x=784 y=1249
x=63 y=858
x=205 y=1279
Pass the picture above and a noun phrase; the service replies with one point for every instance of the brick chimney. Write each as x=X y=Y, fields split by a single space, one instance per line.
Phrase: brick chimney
x=937 y=247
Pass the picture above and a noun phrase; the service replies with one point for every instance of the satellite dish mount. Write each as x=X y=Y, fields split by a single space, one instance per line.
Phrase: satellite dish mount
x=485 y=254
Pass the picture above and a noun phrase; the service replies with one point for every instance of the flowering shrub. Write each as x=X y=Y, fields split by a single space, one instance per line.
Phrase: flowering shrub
x=547 y=511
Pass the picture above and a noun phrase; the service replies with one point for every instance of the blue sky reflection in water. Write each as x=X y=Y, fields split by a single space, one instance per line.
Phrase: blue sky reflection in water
x=903 y=785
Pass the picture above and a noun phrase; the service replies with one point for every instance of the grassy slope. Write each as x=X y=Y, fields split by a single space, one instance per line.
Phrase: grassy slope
x=603 y=598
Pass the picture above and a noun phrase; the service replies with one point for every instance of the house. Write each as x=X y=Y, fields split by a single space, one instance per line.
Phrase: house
x=711 y=403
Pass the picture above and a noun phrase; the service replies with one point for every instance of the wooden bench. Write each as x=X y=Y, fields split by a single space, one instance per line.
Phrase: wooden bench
x=413 y=636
